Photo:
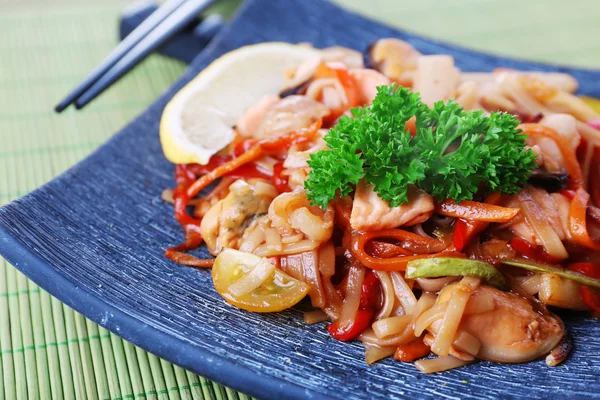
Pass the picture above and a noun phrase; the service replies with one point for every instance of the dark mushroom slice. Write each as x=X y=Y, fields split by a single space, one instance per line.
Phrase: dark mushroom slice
x=550 y=181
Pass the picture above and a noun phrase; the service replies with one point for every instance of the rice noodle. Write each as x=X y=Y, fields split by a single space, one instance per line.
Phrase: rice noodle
x=425 y=302
x=467 y=342
x=356 y=275
x=390 y=326
x=287 y=239
x=403 y=292
x=435 y=284
x=327 y=260
x=315 y=316
x=375 y=352
x=533 y=213
x=368 y=336
x=439 y=364
x=312 y=276
x=253 y=279
x=287 y=249
x=454 y=312
x=389 y=297
x=428 y=317
x=273 y=240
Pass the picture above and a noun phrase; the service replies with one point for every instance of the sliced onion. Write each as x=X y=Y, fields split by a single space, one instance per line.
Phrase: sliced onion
x=428 y=317
x=435 y=284
x=390 y=326
x=253 y=279
x=403 y=292
x=375 y=352
x=534 y=215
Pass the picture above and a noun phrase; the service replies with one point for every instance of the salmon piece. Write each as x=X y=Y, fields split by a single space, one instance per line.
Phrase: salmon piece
x=371 y=213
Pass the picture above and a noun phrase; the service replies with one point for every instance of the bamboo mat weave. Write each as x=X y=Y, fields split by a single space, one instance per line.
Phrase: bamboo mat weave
x=47 y=351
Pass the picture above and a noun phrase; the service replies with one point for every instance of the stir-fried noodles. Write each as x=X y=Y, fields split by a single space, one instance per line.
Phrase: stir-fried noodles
x=423 y=210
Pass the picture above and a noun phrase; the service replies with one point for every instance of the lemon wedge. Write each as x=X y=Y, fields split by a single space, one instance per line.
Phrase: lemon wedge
x=198 y=121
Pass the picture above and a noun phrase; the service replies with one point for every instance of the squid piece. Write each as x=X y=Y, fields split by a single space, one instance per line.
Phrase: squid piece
x=289 y=114
x=252 y=118
x=513 y=331
x=436 y=78
x=224 y=224
x=371 y=213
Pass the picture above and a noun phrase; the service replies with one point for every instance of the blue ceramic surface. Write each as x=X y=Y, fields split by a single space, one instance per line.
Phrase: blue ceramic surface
x=94 y=237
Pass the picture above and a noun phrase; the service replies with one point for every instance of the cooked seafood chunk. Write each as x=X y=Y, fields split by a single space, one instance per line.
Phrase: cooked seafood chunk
x=371 y=213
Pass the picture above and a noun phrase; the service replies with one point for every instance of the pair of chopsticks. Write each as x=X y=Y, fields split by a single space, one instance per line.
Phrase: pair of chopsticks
x=162 y=24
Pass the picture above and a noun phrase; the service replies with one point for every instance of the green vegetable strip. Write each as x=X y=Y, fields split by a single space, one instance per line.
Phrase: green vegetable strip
x=445 y=266
x=454 y=154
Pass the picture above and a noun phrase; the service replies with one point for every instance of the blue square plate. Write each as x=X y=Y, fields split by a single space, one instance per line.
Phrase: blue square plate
x=94 y=238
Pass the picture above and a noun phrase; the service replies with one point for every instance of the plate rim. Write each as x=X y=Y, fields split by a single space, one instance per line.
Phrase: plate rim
x=164 y=345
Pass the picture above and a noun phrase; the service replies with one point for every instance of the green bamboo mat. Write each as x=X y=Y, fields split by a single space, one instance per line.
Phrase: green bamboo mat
x=47 y=351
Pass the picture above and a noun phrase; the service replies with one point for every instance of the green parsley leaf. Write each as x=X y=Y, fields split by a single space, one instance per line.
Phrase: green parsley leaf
x=454 y=154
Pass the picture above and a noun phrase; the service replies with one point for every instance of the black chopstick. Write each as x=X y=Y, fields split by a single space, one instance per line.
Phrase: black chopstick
x=123 y=48
x=176 y=21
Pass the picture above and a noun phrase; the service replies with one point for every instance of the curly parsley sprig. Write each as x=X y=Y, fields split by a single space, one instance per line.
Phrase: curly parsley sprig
x=453 y=154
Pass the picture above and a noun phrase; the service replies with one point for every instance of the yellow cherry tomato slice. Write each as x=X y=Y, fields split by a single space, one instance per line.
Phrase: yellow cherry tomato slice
x=252 y=283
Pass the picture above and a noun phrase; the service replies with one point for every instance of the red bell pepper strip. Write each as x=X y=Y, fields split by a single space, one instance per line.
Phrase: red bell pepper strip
x=465 y=230
x=535 y=253
x=590 y=296
x=370 y=292
x=352 y=331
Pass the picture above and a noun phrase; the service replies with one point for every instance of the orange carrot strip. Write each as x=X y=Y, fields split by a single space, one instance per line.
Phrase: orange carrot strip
x=476 y=211
x=577 y=220
x=464 y=230
x=412 y=351
x=261 y=148
x=359 y=242
x=205 y=180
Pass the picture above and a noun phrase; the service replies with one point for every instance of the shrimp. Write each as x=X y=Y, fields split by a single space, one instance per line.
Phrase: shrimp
x=396 y=59
x=371 y=213
x=224 y=224
x=367 y=81
x=291 y=213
